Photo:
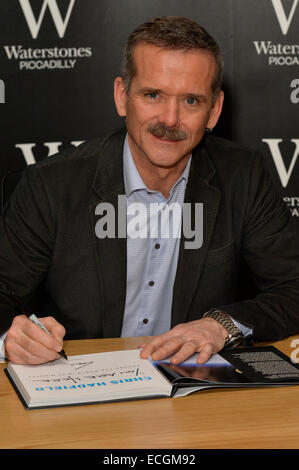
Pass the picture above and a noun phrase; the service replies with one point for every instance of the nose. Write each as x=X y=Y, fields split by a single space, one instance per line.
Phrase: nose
x=170 y=112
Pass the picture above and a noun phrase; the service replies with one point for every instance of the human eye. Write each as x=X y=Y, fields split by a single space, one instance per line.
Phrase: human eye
x=152 y=95
x=190 y=100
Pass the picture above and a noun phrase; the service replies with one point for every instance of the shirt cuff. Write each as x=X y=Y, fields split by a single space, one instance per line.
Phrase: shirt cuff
x=244 y=329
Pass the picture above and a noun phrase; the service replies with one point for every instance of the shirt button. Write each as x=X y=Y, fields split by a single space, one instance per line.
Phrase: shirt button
x=157 y=246
x=151 y=283
x=145 y=321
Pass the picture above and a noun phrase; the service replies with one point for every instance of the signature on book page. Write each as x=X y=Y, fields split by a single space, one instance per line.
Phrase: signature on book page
x=78 y=371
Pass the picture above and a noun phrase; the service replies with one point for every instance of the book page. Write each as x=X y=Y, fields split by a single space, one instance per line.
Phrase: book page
x=217 y=371
x=263 y=364
x=90 y=377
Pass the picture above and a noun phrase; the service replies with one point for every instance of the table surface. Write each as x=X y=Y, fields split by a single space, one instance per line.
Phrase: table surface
x=258 y=418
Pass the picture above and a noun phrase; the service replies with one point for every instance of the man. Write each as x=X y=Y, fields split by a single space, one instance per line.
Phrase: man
x=170 y=93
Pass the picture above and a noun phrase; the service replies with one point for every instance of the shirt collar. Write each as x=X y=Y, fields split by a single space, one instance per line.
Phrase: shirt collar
x=132 y=178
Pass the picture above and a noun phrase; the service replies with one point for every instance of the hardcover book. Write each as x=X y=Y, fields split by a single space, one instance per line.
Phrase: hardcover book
x=122 y=375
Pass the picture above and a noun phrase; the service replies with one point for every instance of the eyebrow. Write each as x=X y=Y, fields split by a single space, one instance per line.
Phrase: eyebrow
x=149 y=90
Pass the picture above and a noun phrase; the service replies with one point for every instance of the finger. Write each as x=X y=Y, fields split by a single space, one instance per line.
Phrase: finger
x=186 y=350
x=34 y=332
x=155 y=344
x=30 y=336
x=22 y=356
x=54 y=327
x=18 y=355
x=26 y=351
x=148 y=349
x=205 y=353
x=168 y=348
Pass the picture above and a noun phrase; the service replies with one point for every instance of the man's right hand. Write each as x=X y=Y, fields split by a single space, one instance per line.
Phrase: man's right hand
x=27 y=343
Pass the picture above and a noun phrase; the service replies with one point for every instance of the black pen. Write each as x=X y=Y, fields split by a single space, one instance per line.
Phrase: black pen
x=32 y=318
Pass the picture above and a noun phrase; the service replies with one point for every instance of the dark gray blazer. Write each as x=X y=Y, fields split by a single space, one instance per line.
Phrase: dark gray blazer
x=48 y=239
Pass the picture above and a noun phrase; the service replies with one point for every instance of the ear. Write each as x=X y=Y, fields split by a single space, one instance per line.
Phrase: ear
x=120 y=96
x=216 y=111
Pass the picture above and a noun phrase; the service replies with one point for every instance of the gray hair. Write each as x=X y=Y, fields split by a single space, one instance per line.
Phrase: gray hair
x=172 y=33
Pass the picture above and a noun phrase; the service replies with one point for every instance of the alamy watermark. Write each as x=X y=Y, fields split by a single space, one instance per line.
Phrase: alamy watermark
x=295 y=93
x=2 y=91
x=295 y=353
x=155 y=220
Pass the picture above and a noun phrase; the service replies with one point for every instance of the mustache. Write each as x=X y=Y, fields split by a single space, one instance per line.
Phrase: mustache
x=164 y=132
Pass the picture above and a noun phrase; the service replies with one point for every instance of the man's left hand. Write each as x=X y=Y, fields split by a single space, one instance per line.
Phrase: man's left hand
x=205 y=336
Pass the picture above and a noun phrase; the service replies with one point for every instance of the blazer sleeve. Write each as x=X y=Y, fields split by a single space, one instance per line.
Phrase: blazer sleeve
x=26 y=242
x=269 y=244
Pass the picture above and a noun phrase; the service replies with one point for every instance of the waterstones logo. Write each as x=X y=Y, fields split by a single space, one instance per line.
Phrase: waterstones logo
x=283 y=172
x=34 y=24
x=292 y=202
x=278 y=54
x=47 y=58
x=281 y=54
x=34 y=58
x=284 y=20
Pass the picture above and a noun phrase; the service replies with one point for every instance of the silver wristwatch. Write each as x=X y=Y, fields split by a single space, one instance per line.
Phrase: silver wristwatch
x=235 y=336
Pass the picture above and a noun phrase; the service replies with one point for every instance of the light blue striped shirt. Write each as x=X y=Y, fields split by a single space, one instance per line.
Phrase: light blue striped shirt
x=151 y=261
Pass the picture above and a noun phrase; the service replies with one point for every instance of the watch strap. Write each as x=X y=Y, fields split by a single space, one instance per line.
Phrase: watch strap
x=235 y=336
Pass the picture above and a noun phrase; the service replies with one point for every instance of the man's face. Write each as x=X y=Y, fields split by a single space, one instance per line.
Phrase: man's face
x=169 y=104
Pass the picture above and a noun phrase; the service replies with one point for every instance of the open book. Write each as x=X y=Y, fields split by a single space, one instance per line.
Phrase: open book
x=122 y=375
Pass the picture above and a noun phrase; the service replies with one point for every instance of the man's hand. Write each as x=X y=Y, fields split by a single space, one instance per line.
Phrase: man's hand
x=27 y=343
x=205 y=336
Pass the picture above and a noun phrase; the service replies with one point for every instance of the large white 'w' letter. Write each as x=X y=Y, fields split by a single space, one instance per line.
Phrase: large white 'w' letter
x=53 y=148
x=284 y=174
x=282 y=17
x=34 y=25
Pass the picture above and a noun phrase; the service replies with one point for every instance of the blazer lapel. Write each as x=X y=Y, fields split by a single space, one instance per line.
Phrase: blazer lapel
x=110 y=252
x=191 y=261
